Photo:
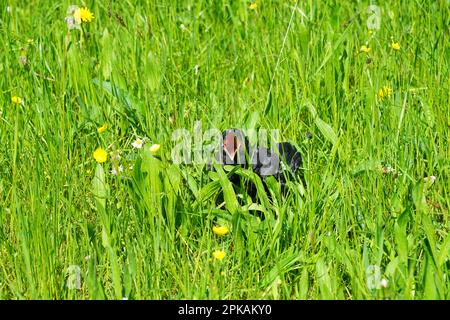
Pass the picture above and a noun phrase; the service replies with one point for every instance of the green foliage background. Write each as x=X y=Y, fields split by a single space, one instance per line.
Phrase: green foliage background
x=147 y=68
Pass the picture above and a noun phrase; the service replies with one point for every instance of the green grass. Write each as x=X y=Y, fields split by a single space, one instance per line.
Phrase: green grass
x=147 y=232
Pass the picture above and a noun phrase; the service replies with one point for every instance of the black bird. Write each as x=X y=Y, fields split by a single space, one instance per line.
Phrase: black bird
x=234 y=148
x=283 y=162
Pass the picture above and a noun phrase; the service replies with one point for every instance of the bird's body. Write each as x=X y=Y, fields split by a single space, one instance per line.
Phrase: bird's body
x=283 y=162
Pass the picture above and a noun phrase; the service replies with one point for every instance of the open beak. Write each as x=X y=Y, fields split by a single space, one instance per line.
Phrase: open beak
x=231 y=145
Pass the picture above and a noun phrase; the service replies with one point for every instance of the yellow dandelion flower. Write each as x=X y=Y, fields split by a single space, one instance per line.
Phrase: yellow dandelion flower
x=384 y=92
x=102 y=128
x=83 y=15
x=86 y=15
x=219 y=254
x=220 y=231
x=395 y=45
x=365 y=49
x=16 y=100
x=253 y=6
x=100 y=155
x=154 y=148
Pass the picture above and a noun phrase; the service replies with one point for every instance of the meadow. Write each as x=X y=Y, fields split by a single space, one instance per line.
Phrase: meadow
x=93 y=207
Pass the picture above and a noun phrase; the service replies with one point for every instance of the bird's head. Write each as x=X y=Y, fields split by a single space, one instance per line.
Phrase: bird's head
x=234 y=144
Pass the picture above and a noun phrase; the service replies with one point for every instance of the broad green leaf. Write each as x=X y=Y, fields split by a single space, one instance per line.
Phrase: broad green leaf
x=304 y=284
x=323 y=127
x=99 y=187
x=174 y=177
x=252 y=120
x=430 y=291
x=106 y=54
x=208 y=191
x=229 y=195
x=444 y=251
x=419 y=197
x=286 y=262
x=401 y=236
x=324 y=280
x=191 y=183
x=260 y=190
x=429 y=114
x=116 y=273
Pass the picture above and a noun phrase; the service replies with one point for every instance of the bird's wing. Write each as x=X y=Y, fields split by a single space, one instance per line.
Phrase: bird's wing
x=290 y=155
x=265 y=163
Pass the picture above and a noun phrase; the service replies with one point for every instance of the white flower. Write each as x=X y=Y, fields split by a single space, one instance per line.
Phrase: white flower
x=73 y=21
x=138 y=143
x=196 y=69
x=383 y=283
x=430 y=179
x=115 y=170
x=71 y=10
x=70 y=21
